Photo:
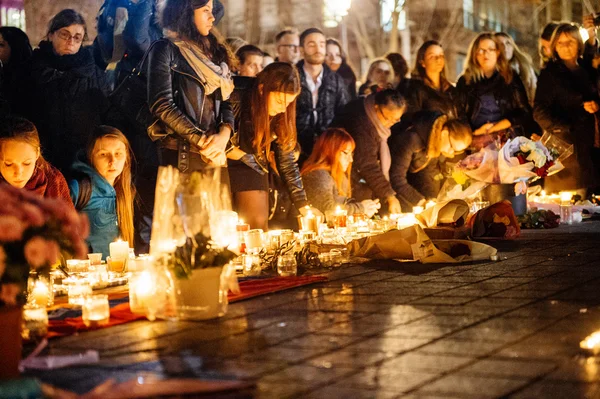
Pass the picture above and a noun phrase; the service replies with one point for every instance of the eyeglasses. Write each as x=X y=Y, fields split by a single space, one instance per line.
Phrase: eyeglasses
x=292 y=47
x=66 y=36
x=484 y=51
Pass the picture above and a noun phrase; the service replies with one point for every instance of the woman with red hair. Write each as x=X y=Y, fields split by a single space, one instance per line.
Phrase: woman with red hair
x=326 y=175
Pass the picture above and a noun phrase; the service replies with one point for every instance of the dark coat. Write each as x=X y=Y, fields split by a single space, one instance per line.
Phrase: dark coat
x=559 y=109
x=332 y=97
x=367 y=179
x=284 y=160
x=69 y=93
x=177 y=98
x=414 y=177
x=422 y=97
x=511 y=99
x=15 y=89
x=346 y=72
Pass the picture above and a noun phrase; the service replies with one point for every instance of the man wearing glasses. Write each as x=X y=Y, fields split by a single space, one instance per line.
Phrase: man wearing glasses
x=287 y=44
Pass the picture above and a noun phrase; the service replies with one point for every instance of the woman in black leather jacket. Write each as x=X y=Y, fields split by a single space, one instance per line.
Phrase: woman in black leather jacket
x=492 y=97
x=265 y=109
x=189 y=84
x=429 y=90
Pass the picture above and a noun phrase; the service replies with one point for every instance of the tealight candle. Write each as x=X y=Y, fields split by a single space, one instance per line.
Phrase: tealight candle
x=566 y=208
x=95 y=310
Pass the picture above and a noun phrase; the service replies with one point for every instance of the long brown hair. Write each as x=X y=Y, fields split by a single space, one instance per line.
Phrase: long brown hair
x=419 y=70
x=473 y=72
x=326 y=156
x=123 y=186
x=278 y=77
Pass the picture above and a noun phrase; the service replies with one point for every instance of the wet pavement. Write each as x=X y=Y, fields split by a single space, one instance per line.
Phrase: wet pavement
x=509 y=328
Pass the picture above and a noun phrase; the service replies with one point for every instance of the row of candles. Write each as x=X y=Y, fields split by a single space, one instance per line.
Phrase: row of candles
x=565 y=201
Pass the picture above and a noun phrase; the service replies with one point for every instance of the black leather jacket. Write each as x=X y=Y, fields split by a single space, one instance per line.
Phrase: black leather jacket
x=176 y=96
x=284 y=160
x=333 y=95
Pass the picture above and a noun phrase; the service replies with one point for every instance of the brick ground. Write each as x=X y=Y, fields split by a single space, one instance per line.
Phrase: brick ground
x=388 y=329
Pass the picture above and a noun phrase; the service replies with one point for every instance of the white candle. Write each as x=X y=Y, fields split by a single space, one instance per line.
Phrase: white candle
x=95 y=310
x=119 y=250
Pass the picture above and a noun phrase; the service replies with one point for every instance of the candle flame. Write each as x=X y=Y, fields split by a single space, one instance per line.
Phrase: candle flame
x=591 y=341
x=543 y=193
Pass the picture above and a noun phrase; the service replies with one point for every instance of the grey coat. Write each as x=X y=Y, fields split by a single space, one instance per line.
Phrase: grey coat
x=323 y=194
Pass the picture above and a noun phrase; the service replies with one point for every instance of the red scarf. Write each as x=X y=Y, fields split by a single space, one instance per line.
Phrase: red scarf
x=48 y=182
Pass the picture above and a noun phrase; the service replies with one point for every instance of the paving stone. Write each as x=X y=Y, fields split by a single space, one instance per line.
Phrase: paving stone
x=483 y=387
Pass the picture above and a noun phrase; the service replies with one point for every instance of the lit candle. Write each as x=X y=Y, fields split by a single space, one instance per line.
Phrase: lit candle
x=565 y=197
x=309 y=222
x=591 y=343
x=406 y=220
x=77 y=289
x=119 y=250
x=141 y=292
x=417 y=210
x=95 y=310
x=430 y=204
x=254 y=240
x=241 y=226
x=40 y=293
x=543 y=193
x=340 y=217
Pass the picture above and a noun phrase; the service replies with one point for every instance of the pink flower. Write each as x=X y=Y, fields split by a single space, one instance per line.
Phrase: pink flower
x=8 y=294
x=33 y=214
x=11 y=228
x=53 y=252
x=2 y=261
x=36 y=252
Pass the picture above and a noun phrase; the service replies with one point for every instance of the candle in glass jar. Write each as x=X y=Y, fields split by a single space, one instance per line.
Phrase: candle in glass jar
x=119 y=250
x=141 y=291
x=309 y=222
x=341 y=217
x=40 y=293
x=565 y=197
x=254 y=240
x=95 y=310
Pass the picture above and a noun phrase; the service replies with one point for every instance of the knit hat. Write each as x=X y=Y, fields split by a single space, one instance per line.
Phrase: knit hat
x=218 y=8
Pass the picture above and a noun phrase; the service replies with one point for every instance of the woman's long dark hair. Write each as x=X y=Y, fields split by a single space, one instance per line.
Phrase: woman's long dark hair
x=20 y=48
x=276 y=77
x=178 y=16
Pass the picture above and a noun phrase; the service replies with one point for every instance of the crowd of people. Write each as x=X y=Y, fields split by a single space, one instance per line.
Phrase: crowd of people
x=298 y=132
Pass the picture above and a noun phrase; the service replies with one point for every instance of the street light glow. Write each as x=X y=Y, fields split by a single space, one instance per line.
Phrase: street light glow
x=334 y=11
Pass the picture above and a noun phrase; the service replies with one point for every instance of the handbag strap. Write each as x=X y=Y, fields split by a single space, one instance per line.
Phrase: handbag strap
x=137 y=70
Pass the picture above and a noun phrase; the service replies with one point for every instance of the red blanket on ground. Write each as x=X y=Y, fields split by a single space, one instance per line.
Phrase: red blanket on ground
x=121 y=314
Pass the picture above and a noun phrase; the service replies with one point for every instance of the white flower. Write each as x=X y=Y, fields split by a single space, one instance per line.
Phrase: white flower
x=538 y=157
x=528 y=146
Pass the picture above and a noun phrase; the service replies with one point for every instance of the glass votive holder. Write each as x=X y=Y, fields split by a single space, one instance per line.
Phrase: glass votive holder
x=35 y=322
x=40 y=290
x=274 y=237
x=566 y=214
x=116 y=265
x=325 y=259
x=252 y=265
x=76 y=266
x=95 y=258
x=95 y=310
x=286 y=236
x=142 y=291
x=307 y=235
x=254 y=240
x=77 y=290
x=286 y=265
x=336 y=257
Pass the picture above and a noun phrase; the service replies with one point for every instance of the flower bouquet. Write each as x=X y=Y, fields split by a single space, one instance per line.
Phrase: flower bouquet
x=34 y=232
